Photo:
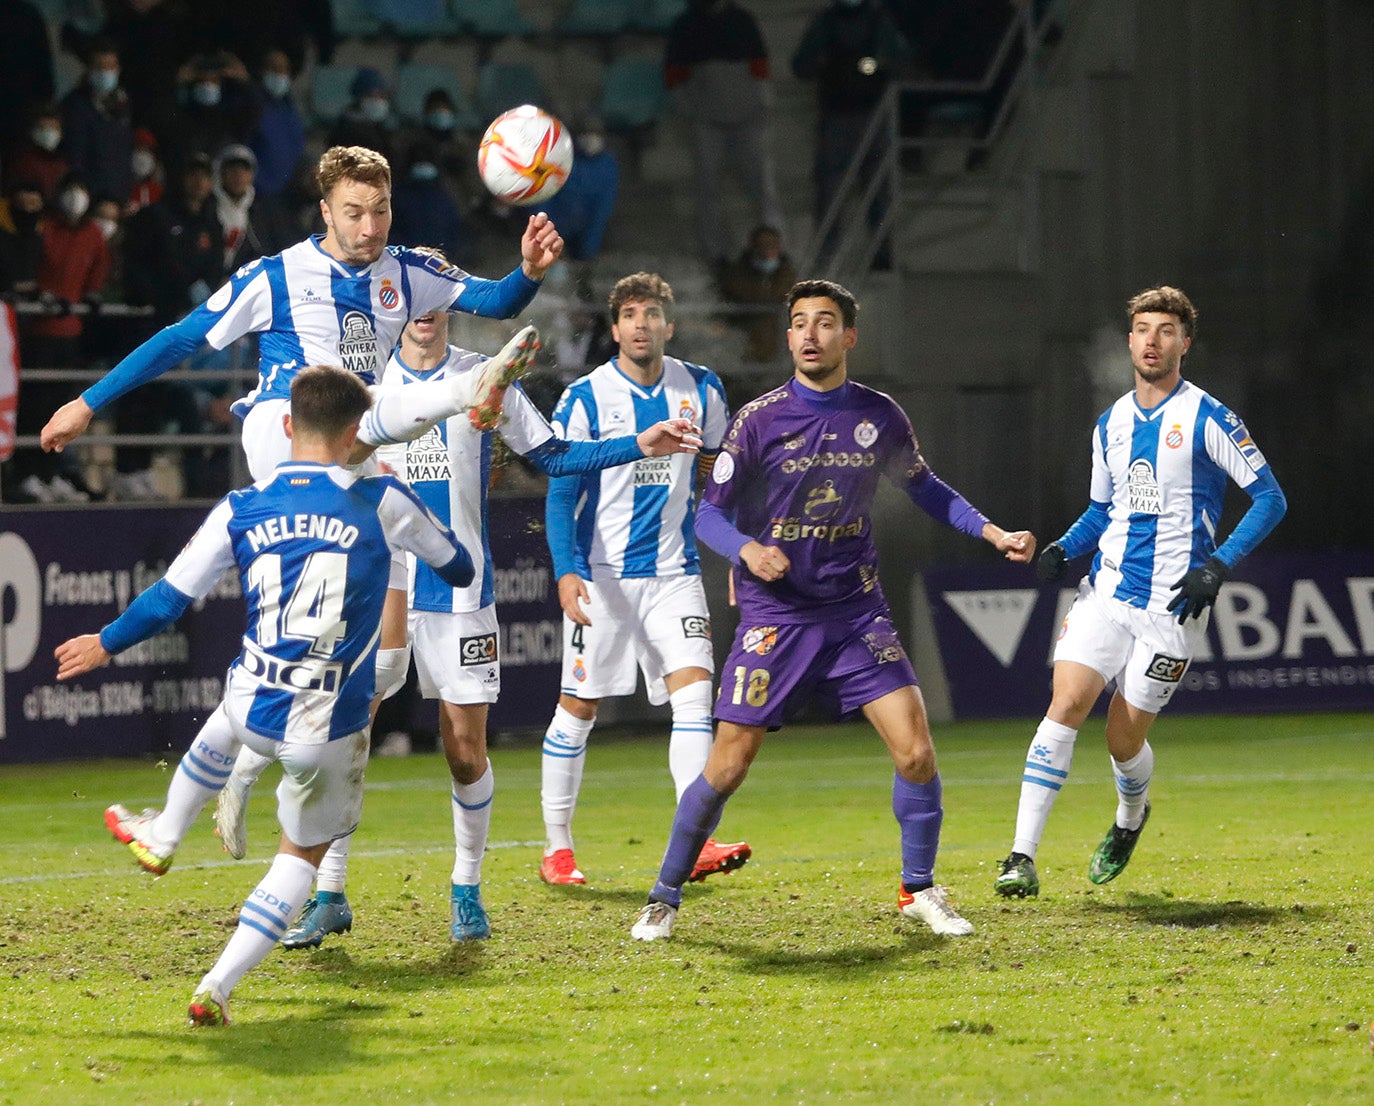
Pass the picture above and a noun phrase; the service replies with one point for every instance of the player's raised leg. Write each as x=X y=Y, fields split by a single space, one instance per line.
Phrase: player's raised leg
x=1133 y=762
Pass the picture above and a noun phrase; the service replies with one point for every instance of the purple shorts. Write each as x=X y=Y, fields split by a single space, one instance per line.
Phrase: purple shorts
x=775 y=671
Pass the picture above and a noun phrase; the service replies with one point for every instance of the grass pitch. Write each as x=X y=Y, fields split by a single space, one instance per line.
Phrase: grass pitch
x=1229 y=963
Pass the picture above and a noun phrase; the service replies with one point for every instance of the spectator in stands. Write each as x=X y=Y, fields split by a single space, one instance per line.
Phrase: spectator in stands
x=26 y=72
x=21 y=240
x=156 y=33
x=75 y=265
x=761 y=276
x=852 y=50
x=716 y=69
x=455 y=155
x=217 y=104
x=279 y=140
x=368 y=120
x=424 y=212
x=39 y=158
x=253 y=225
x=584 y=203
x=98 y=136
x=174 y=259
x=250 y=28
x=147 y=171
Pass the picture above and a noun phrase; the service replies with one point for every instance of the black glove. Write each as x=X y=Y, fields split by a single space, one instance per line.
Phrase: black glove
x=1198 y=589
x=1052 y=563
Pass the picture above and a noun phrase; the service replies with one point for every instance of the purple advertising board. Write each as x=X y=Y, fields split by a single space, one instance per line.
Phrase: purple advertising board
x=64 y=573
x=1291 y=632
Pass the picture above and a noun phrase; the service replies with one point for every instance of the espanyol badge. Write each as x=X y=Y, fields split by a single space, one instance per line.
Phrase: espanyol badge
x=865 y=434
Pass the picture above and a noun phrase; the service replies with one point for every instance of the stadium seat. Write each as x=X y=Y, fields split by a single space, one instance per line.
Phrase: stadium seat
x=504 y=85
x=415 y=80
x=417 y=18
x=490 y=18
x=595 y=18
x=632 y=93
x=329 y=94
x=355 y=19
x=656 y=16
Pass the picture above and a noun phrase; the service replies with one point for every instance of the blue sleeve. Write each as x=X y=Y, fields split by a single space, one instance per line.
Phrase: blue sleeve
x=944 y=504
x=168 y=347
x=557 y=457
x=152 y=612
x=497 y=299
x=459 y=572
x=559 y=507
x=717 y=532
x=1083 y=536
x=1268 y=505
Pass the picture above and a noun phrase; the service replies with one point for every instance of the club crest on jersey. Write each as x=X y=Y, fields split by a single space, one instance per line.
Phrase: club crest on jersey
x=1143 y=490
x=685 y=410
x=865 y=434
x=358 y=344
x=822 y=502
x=1174 y=438
x=388 y=297
x=760 y=640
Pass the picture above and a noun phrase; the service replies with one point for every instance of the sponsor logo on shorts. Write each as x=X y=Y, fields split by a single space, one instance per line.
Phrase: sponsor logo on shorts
x=760 y=640
x=1063 y=629
x=865 y=434
x=885 y=647
x=696 y=625
x=474 y=651
x=1168 y=669
x=579 y=670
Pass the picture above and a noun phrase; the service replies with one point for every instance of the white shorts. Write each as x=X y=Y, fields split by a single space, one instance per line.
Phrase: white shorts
x=1145 y=653
x=456 y=655
x=266 y=445
x=320 y=797
x=658 y=624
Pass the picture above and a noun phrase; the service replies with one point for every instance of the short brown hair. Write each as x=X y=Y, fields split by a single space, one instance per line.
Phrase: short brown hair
x=640 y=286
x=826 y=289
x=1164 y=300
x=351 y=163
x=326 y=400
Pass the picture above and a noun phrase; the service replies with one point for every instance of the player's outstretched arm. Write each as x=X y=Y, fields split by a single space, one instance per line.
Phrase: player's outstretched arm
x=540 y=246
x=670 y=436
x=79 y=655
x=573 y=598
x=1015 y=545
x=767 y=562
x=67 y=424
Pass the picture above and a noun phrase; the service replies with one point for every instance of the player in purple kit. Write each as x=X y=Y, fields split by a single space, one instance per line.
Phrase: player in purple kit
x=790 y=502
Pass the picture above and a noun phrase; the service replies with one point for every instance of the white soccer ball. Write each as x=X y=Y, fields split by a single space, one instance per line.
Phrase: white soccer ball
x=525 y=155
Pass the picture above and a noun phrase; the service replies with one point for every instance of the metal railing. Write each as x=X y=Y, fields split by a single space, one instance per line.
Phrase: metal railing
x=843 y=232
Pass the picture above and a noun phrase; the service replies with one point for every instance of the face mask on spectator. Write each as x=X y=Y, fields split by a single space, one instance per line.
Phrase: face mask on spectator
x=440 y=119
x=375 y=108
x=142 y=163
x=206 y=93
x=46 y=138
x=107 y=227
x=424 y=171
x=592 y=144
x=767 y=265
x=276 y=84
x=104 y=81
x=74 y=202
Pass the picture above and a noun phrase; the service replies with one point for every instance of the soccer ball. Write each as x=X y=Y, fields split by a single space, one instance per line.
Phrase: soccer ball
x=525 y=155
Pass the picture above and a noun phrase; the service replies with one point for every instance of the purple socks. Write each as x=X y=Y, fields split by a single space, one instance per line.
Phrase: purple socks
x=919 y=811
x=698 y=813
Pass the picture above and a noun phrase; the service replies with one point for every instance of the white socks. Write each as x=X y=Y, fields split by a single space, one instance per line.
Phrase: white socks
x=690 y=742
x=1133 y=786
x=334 y=866
x=402 y=414
x=471 y=824
x=565 y=757
x=1047 y=767
x=266 y=913
x=199 y=777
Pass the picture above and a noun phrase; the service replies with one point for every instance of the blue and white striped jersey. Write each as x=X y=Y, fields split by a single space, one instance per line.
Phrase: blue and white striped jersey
x=636 y=520
x=449 y=468
x=1162 y=475
x=310 y=309
x=312 y=545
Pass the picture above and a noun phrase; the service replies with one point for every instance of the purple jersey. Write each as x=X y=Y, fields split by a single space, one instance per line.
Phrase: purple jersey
x=799 y=470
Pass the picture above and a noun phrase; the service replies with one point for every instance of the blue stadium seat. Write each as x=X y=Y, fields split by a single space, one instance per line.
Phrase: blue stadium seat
x=505 y=85
x=596 y=18
x=656 y=16
x=355 y=19
x=329 y=91
x=490 y=18
x=417 y=18
x=632 y=93
x=415 y=80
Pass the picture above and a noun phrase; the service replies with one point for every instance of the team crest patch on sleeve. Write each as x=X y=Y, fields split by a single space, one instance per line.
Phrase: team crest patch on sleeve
x=443 y=267
x=696 y=625
x=760 y=640
x=723 y=469
x=220 y=300
x=1240 y=437
x=1166 y=669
